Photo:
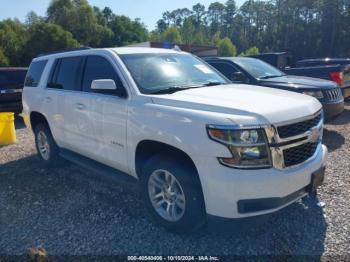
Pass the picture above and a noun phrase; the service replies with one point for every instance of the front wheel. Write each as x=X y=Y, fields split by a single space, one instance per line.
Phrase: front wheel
x=172 y=194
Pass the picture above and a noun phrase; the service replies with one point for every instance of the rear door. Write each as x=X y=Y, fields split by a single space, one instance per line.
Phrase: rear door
x=72 y=117
x=108 y=113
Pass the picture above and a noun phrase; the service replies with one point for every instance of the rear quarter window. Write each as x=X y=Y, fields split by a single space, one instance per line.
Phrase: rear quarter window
x=34 y=73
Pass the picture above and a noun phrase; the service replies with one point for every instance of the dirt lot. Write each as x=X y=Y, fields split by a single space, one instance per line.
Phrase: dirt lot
x=68 y=211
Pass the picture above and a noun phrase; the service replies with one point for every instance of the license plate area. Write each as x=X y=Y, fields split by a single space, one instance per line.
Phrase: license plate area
x=317 y=179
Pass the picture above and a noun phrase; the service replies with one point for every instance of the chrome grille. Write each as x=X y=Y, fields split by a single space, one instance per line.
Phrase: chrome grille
x=299 y=154
x=298 y=128
x=332 y=94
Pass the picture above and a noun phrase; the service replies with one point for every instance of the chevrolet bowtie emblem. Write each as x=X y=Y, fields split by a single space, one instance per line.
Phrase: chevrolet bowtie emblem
x=315 y=135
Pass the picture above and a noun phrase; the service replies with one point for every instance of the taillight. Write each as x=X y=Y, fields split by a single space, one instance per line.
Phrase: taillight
x=337 y=77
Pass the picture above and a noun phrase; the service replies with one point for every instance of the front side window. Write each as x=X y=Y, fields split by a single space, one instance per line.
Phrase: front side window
x=257 y=68
x=226 y=69
x=154 y=73
x=98 y=67
x=34 y=74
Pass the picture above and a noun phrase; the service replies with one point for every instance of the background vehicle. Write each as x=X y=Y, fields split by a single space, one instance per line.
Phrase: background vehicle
x=196 y=144
x=339 y=73
x=11 y=85
x=256 y=72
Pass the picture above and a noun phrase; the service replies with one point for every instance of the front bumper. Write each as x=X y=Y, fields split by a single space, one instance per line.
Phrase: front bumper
x=224 y=187
x=346 y=91
x=332 y=110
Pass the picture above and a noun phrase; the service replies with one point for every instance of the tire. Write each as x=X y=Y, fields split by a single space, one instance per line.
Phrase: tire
x=46 y=146
x=187 y=207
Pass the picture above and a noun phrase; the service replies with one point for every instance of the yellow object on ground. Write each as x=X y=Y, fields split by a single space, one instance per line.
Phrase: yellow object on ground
x=7 y=129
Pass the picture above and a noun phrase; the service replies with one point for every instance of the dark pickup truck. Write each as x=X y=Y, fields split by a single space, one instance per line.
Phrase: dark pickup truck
x=256 y=72
x=11 y=86
x=337 y=70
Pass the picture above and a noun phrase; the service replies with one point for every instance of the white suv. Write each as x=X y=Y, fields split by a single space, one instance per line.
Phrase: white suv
x=198 y=146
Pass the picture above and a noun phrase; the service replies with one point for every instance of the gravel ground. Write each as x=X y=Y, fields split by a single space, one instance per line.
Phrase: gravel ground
x=70 y=212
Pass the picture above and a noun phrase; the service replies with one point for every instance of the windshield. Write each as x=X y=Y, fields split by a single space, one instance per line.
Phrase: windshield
x=154 y=73
x=258 y=68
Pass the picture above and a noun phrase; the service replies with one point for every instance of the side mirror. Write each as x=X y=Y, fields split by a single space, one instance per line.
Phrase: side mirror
x=103 y=85
x=238 y=77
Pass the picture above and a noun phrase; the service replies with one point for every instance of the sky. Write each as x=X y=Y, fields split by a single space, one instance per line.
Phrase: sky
x=149 y=11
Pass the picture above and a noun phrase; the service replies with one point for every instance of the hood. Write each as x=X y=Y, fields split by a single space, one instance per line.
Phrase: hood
x=243 y=104
x=298 y=82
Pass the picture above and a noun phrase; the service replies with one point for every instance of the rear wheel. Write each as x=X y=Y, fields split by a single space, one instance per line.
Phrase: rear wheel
x=47 y=148
x=172 y=194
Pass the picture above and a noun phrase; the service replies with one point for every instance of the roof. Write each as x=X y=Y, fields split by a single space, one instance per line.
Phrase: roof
x=142 y=50
x=118 y=50
x=233 y=58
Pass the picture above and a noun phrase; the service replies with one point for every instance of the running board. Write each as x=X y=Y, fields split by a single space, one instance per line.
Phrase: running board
x=102 y=170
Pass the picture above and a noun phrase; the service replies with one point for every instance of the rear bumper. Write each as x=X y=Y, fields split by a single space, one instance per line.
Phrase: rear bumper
x=332 y=110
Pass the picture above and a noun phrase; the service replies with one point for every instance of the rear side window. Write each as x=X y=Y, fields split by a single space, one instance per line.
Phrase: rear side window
x=12 y=77
x=98 y=67
x=66 y=73
x=34 y=74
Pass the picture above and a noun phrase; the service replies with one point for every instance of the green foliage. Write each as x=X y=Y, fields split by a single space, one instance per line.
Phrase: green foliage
x=187 y=31
x=3 y=59
x=52 y=37
x=216 y=39
x=250 y=51
x=13 y=36
x=226 y=48
x=172 y=35
x=127 y=31
x=77 y=17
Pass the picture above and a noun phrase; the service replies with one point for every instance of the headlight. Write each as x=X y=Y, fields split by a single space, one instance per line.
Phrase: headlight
x=316 y=94
x=248 y=147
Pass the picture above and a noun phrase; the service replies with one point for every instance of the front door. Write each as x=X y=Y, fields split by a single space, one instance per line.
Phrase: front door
x=108 y=113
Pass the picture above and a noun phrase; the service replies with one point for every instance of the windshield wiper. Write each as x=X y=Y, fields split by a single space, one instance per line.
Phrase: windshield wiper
x=272 y=76
x=172 y=89
x=213 y=83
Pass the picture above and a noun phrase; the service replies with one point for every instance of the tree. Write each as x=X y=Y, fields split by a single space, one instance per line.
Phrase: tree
x=32 y=18
x=45 y=37
x=216 y=39
x=187 y=31
x=199 y=13
x=172 y=35
x=3 y=59
x=127 y=31
x=77 y=17
x=226 y=48
x=215 y=16
x=13 y=36
x=250 y=51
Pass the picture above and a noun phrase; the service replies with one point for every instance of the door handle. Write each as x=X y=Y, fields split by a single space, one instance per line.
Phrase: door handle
x=48 y=99
x=80 y=106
